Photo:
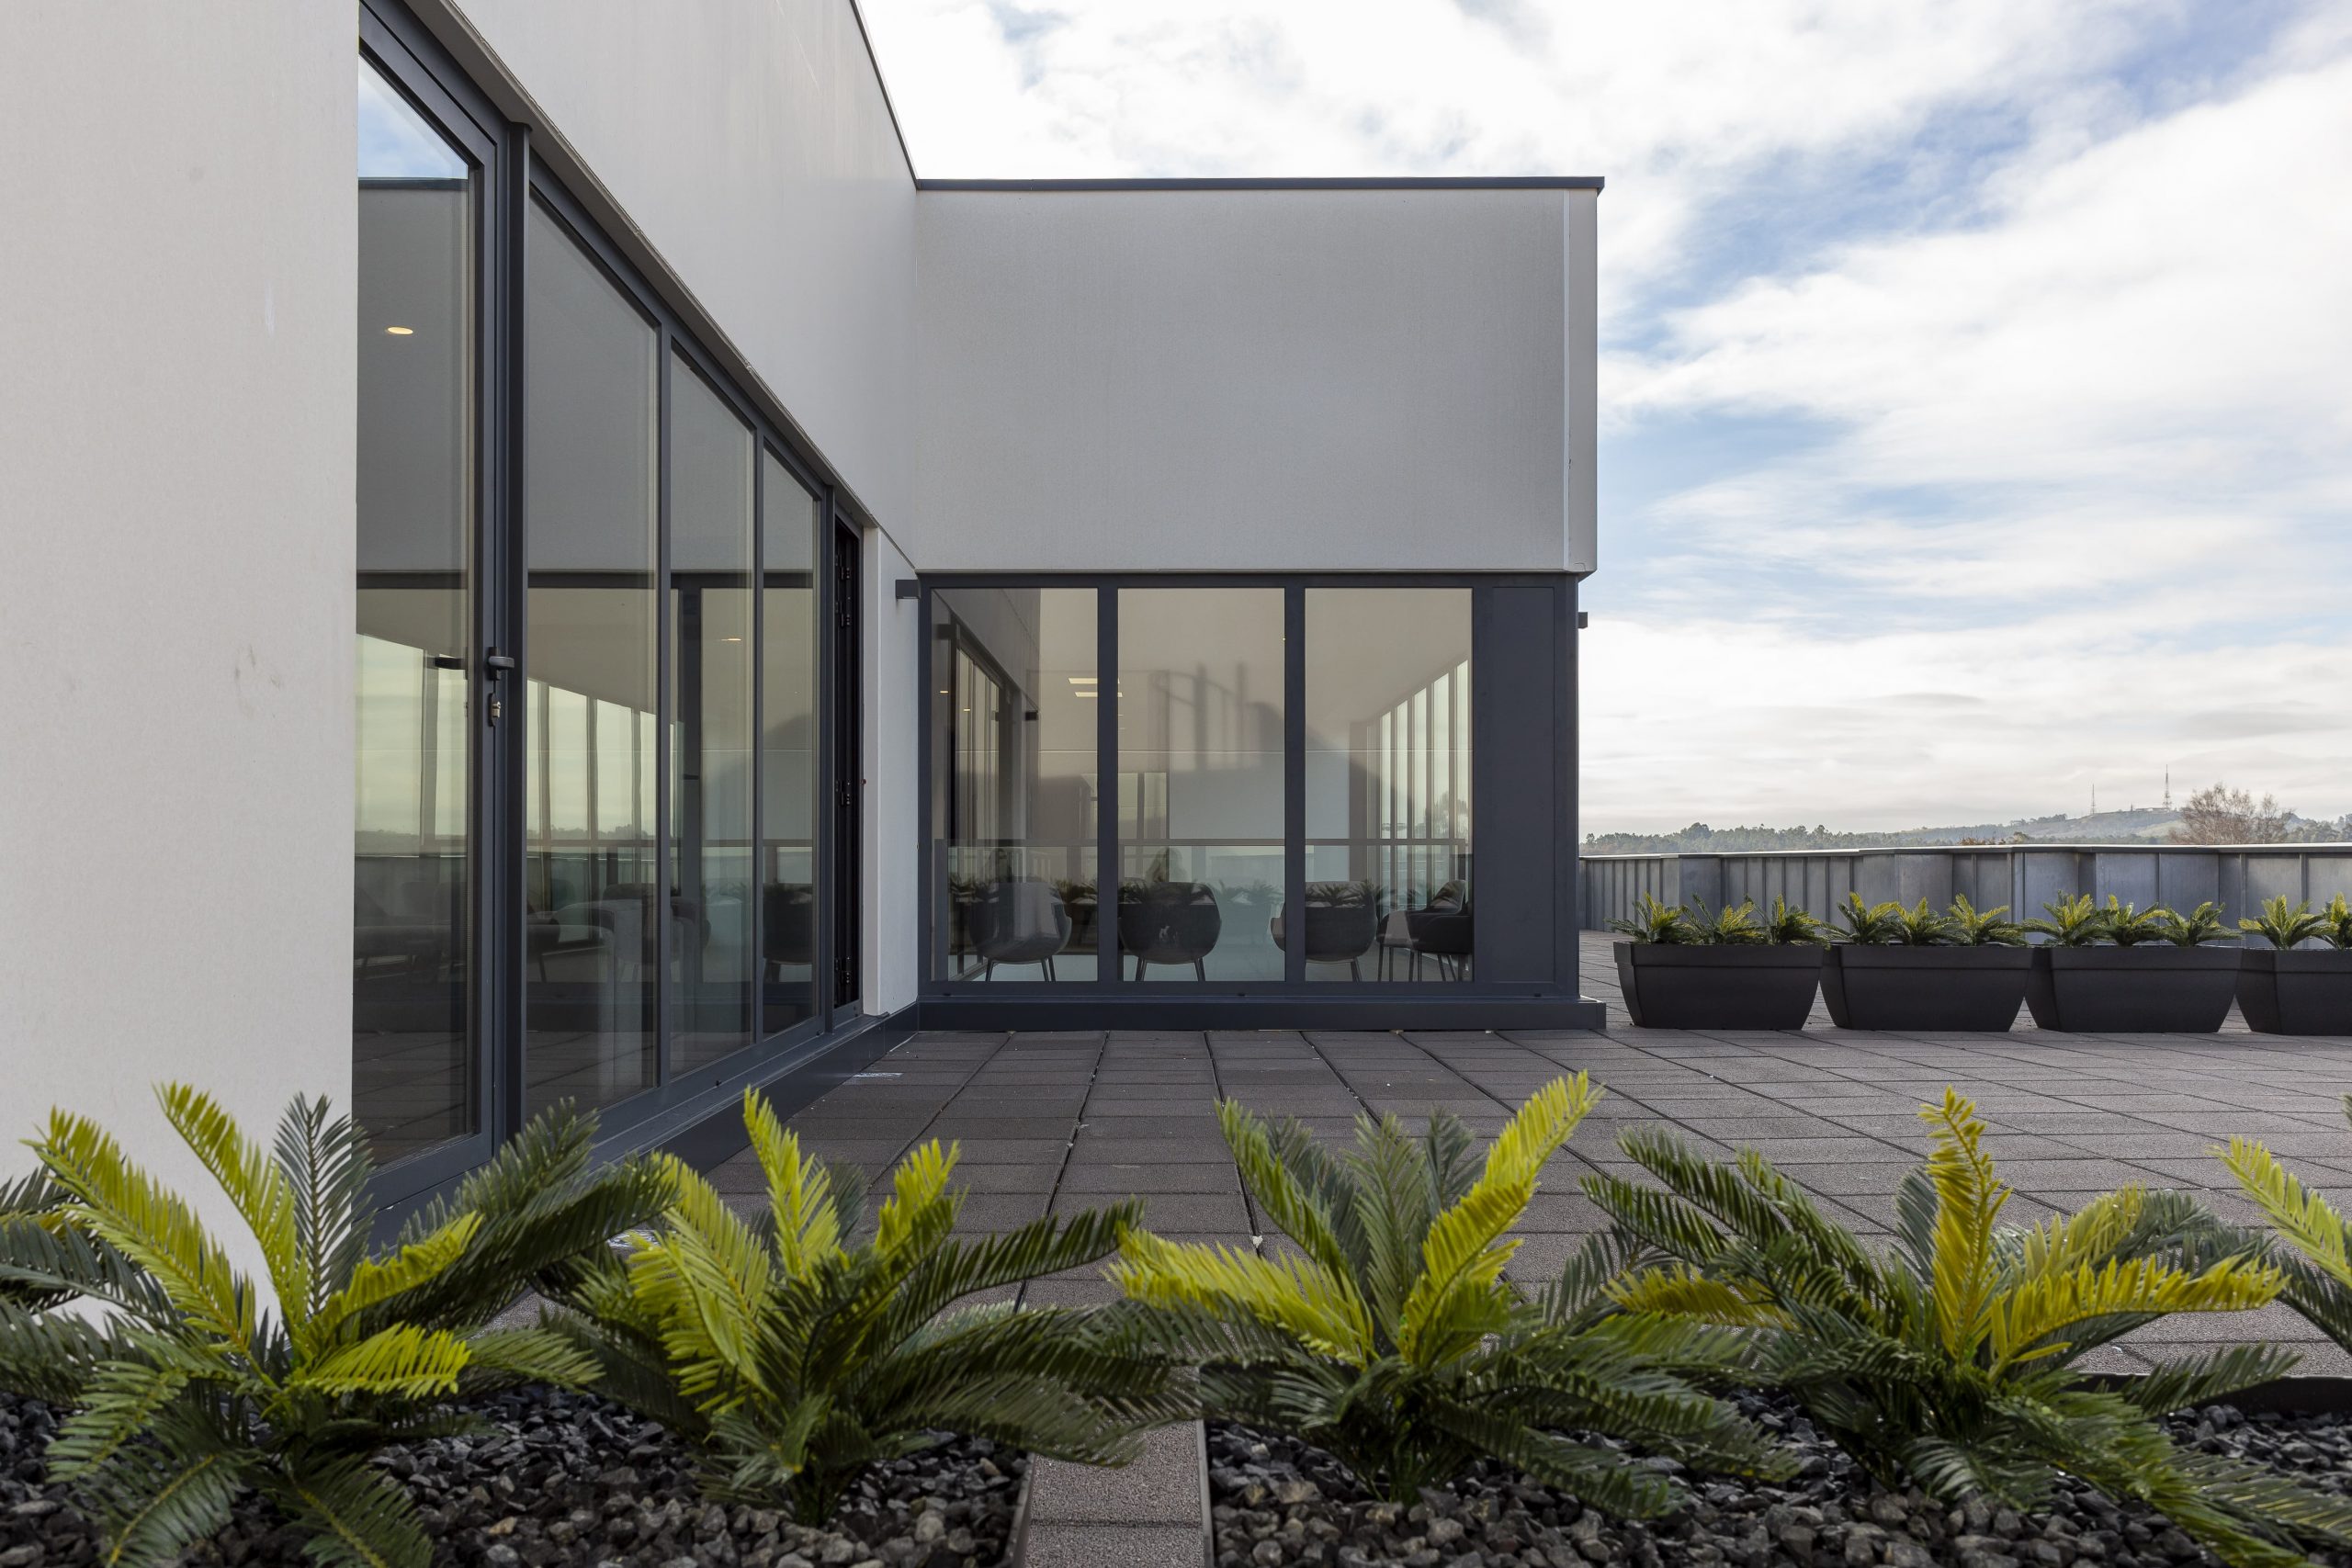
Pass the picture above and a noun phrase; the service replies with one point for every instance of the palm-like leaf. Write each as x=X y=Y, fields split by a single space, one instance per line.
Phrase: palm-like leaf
x=796 y=1359
x=2313 y=1245
x=1946 y=1360
x=205 y=1383
x=1394 y=1339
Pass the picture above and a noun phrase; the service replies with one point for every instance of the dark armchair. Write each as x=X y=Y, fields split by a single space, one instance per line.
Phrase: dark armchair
x=1340 y=929
x=1018 y=922
x=1169 y=922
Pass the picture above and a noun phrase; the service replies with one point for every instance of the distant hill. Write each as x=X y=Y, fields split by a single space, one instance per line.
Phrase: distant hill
x=2145 y=825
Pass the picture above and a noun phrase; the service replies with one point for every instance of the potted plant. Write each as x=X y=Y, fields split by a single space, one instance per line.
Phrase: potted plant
x=1915 y=969
x=2122 y=970
x=1681 y=969
x=2291 y=989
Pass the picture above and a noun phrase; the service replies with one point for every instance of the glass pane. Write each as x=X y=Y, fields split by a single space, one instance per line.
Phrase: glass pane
x=1389 y=784
x=413 y=1061
x=1201 y=783
x=710 y=718
x=588 y=450
x=1017 y=712
x=788 y=748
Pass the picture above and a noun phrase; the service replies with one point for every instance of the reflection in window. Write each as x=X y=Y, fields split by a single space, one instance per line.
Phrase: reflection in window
x=1201 y=784
x=710 y=744
x=1388 y=782
x=412 y=1076
x=591 y=924
x=1014 y=671
x=788 y=748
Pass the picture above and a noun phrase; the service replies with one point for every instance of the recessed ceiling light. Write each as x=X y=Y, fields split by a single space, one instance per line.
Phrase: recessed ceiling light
x=400 y=332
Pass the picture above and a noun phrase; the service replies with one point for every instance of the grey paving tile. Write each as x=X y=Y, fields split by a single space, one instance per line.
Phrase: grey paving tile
x=1115 y=1546
x=1154 y=1175
x=1162 y=1487
x=1218 y=1213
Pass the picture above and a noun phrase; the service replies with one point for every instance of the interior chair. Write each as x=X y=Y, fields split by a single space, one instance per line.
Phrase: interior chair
x=788 y=926
x=1340 y=930
x=1019 y=921
x=1442 y=934
x=1169 y=922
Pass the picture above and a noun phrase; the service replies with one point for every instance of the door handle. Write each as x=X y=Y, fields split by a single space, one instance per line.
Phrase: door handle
x=497 y=664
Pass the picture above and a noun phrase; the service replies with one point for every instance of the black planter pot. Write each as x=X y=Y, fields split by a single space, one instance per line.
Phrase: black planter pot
x=2154 y=988
x=1738 y=986
x=2305 y=991
x=1874 y=987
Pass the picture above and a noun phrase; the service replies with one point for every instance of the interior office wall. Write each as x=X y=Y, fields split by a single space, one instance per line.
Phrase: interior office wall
x=176 y=519
x=751 y=148
x=1255 y=379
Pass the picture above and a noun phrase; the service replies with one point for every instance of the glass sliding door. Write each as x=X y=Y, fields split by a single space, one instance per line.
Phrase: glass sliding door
x=711 y=644
x=787 y=879
x=1201 y=784
x=1388 y=795
x=593 y=920
x=414 y=1066
x=1019 y=714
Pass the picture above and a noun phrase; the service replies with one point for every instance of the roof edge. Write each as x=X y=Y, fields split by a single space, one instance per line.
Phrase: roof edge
x=1377 y=182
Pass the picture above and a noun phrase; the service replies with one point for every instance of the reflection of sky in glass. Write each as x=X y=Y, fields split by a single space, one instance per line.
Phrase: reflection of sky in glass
x=395 y=141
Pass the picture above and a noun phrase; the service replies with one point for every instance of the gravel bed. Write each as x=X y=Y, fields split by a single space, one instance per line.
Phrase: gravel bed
x=570 y=1478
x=1277 y=1502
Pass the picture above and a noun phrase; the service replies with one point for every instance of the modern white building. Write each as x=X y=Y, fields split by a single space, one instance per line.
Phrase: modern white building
x=625 y=592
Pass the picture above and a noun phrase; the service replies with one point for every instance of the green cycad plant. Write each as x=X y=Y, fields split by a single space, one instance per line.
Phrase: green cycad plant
x=1666 y=924
x=2316 y=1256
x=796 y=1359
x=2195 y=929
x=45 y=1262
x=2284 y=927
x=2077 y=922
x=2128 y=925
x=1991 y=928
x=1870 y=924
x=1392 y=1339
x=213 y=1383
x=1733 y=925
x=1946 y=1361
x=2338 y=930
x=1792 y=927
x=1922 y=927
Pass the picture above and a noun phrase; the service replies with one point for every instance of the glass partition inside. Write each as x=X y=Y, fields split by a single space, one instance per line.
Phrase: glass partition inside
x=788 y=520
x=1387 y=770
x=711 y=455
x=413 y=1081
x=1201 y=784
x=1016 y=809
x=592 y=812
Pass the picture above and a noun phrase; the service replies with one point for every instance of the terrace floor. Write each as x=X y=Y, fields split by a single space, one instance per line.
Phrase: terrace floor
x=1060 y=1121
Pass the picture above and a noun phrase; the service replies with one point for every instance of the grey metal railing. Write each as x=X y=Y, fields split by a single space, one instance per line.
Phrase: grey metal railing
x=2023 y=876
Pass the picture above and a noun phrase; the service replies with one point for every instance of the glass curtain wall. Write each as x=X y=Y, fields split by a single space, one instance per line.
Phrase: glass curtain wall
x=1016 y=810
x=789 y=522
x=1201 y=784
x=1387 y=770
x=711 y=456
x=590 y=453
x=412 y=1051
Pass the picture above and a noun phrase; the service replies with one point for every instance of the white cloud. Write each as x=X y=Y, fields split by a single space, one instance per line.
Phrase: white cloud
x=2064 y=325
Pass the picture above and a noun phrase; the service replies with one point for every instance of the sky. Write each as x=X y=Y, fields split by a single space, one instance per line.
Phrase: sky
x=1976 y=381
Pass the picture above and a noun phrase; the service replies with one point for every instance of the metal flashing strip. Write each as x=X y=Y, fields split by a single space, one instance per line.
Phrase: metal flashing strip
x=1339 y=182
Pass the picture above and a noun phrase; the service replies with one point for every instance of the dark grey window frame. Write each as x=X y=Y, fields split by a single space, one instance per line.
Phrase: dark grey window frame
x=509 y=179
x=1546 y=789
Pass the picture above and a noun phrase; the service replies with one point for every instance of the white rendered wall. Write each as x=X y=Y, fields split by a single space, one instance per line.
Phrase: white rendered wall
x=751 y=148
x=177 y=241
x=1250 y=380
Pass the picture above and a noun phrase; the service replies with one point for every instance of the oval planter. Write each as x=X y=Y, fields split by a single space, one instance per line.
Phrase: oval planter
x=2307 y=990
x=1738 y=986
x=1890 y=986
x=2154 y=988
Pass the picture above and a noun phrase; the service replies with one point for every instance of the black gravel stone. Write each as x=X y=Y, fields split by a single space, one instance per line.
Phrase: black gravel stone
x=1276 y=1503
x=565 y=1479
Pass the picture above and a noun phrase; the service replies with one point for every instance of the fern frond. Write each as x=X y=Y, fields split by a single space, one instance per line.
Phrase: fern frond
x=373 y=1281
x=323 y=1159
x=510 y=1358
x=2208 y=1378
x=357 y=1516
x=2303 y=1215
x=707 y=1281
x=1680 y=1291
x=2022 y=1319
x=805 y=1223
x=157 y=1500
x=1295 y=1210
x=255 y=1186
x=1292 y=1294
x=404 y=1362
x=1969 y=1200
x=912 y=1214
